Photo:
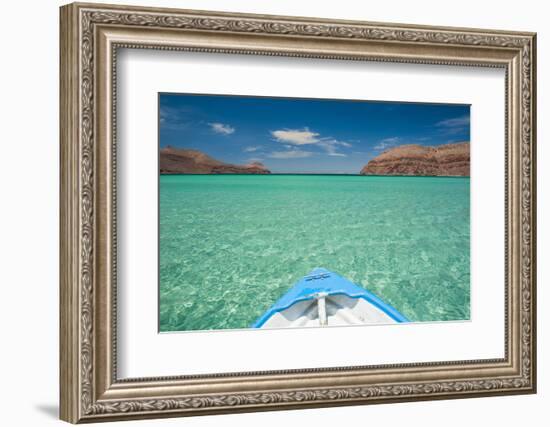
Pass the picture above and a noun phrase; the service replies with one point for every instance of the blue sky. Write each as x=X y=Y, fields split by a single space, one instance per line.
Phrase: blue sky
x=292 y=135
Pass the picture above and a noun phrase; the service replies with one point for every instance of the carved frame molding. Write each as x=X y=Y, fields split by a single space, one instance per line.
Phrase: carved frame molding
x=90 y=37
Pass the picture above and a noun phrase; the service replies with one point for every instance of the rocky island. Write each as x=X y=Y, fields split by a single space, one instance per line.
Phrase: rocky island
x=418 y=160
x=186 y=161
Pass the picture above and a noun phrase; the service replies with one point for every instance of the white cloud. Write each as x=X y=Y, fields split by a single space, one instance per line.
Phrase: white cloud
x=386 y=143
x=222 y=128
x=454 y=125
x=455 y=122
x=291 y=154
x=174 y=119
x=252 y=149
x=295 y=136
x=331 y=145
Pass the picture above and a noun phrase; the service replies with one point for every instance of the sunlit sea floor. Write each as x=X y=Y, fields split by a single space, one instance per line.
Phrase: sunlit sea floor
x=231 y=245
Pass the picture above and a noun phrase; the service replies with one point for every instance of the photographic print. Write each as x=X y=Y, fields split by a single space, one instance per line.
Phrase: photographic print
x=290 y=212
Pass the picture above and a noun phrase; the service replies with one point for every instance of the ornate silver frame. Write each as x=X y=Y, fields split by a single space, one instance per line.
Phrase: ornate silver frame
x=90 y=36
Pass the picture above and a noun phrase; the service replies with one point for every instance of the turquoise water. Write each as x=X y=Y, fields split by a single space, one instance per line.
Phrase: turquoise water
x=231 y=245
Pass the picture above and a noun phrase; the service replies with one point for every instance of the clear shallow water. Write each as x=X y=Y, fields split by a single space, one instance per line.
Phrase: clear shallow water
x=231 y=245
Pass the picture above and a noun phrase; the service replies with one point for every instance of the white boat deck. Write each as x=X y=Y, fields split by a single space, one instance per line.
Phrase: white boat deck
x=338 y=310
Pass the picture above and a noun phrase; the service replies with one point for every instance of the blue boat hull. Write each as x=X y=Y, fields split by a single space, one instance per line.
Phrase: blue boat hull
x=324 y=298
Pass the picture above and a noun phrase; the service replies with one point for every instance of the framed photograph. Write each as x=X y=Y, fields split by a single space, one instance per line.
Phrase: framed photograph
x=266 y=212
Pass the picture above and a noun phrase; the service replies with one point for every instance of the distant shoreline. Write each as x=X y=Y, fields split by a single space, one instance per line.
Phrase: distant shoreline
x=315 y=174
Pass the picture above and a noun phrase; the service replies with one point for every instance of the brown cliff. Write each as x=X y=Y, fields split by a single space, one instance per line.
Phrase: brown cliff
x=184 y=161
x=418 y=160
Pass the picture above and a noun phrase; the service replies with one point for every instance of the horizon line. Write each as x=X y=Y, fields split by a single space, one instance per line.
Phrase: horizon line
x=317 y=174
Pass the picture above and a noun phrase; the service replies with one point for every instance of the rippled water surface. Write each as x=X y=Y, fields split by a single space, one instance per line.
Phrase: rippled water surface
x=231 y=245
